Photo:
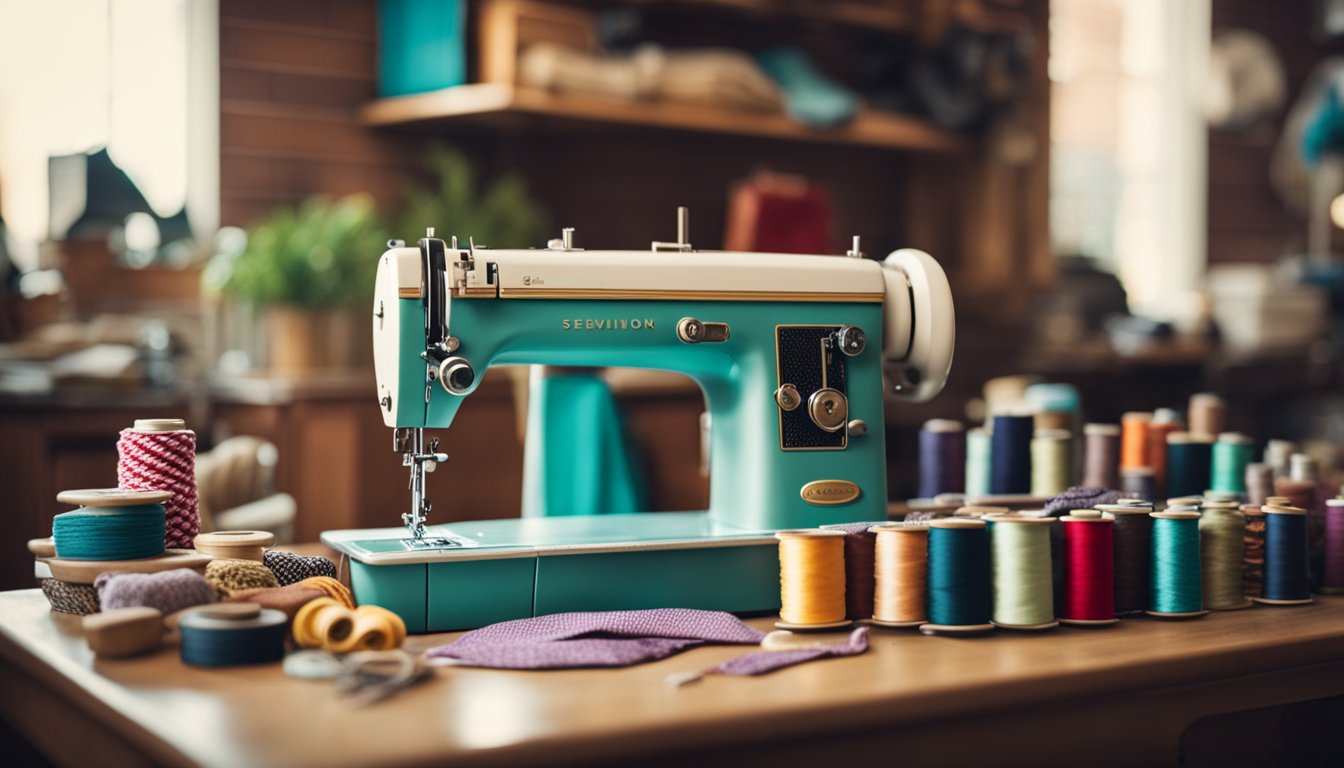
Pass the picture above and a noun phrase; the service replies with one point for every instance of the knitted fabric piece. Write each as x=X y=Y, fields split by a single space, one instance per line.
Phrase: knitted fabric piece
x=609 y=639
x=229 y=576
x=290 y=568
x=75 y=599
x=1078 y=497
x=164 y=461
x=333 y=589
x=168 y=591
x=288 y=600
x=760 y=662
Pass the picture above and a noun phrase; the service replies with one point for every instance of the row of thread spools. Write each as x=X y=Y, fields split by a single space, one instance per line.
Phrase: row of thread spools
x=132 y=562
x=1150 y=455
x=989 y=567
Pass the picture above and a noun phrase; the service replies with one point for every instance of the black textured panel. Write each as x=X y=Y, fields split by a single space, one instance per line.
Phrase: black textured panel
x=802 y=361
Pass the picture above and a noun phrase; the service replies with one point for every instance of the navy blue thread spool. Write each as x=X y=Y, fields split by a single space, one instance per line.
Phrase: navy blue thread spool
x=1010 y=454
x=231 y=635
x=942 y=458
x=960 y=592
x=1287 y=564
x=1189 y=462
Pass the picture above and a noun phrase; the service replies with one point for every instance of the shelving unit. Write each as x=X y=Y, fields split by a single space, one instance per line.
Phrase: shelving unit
x=494 y=104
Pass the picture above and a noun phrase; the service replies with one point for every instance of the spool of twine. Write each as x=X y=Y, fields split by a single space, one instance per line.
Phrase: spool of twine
x=942 y=458
x=1140 y=482
x=960 y=598
x=160 y=454
x=977 y=462
x=859 y=552
x=1021 y=570
x=901 y=569
x=1207 y=414
x=1101 y=459
x=1332 y=570
x=1089 y=568
x=1189 y=457
x=1287 y=577
x=1176 y=581
x=1134 y=439
x=1222 y=532
x=215 y=637
x=1051 y=459
x=228 y=576
x=1253 y=550
x=1231 y=456
x=811 y=579
x=109 y=533
x=1010 y=454
x=1259 y=483
x=1278 y=455
x=1132 y=533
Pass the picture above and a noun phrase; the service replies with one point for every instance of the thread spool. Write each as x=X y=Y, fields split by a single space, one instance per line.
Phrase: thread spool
x=959 y=599
x=900 y=567
x=1221 y=497
x=1189 y=457
x=1231 y=456
x=235 y=545
x=1134 y=439
x=859 y=570
x=1332 y=564
x=1089 y=569
x=1208 y=414
x=1253 y=550
x=160 y=454
x=978 y=460
x=1140 y=482
x=1132 y=534
x=942 y=458
x=1278 y=455
x=110 y=525
x=1010 y=454
x=1192 y=502
x=1101 y=456
x=1051 y=460
x=1021 y=573
x=1222 y=545
x=811 y=580
x=1259 y=483
x=1302 y=468
x=232 y=634
x=1176 y=588
x=1287 y=577
x=1165 y=422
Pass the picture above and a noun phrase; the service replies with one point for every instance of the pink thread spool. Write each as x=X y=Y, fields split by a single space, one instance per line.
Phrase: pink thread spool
x=1332 y=575
x=160 y=455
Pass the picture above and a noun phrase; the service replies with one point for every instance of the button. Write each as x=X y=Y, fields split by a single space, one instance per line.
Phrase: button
x=787 y=397
x=858 y=427
x=829 y=409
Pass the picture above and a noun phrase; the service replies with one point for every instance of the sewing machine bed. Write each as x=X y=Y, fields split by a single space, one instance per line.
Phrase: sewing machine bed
x=496 y=570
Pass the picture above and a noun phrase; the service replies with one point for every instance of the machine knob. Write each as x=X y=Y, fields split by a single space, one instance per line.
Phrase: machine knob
x=456 y=375
x=851 y=340
x=858 y=427
x=829 y=409
x=787 y=397
x=690 y=330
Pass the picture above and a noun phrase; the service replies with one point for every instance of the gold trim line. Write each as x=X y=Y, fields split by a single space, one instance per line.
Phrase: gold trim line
x=641 y=293
x=408 y=293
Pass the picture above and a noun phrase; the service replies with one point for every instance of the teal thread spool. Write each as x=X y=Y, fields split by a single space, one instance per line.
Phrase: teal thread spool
x=1231 y=454
x=960 y=596
x=977 y=462
x=109 y=533
x=1189 y=458
x=1176 y=589
x=1020 y=561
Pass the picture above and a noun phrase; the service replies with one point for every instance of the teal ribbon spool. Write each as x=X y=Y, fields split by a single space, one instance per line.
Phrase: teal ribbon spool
x=1231 y=454
x=1176 y=586
x=109 y=533
x=959 y=586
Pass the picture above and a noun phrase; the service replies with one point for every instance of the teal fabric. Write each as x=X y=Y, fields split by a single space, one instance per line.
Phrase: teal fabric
x=809 y=96
x=576 y=459
x=421 y=46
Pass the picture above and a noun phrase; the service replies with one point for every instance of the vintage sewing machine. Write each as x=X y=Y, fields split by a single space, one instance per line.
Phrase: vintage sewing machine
x=789 y=350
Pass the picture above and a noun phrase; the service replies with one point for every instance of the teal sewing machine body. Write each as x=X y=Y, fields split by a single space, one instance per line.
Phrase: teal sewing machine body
x=788 y=350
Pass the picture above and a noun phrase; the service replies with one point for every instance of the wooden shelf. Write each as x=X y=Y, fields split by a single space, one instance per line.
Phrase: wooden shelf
x=493 y=104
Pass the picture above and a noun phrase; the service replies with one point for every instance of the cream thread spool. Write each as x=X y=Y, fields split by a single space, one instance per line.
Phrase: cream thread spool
x=1051 y=460
x=900 y=570
x=811 y=580
x=235 y=545
x=1021 y=571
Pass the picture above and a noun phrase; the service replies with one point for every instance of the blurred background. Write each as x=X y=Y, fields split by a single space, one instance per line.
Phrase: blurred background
x=1140 y=198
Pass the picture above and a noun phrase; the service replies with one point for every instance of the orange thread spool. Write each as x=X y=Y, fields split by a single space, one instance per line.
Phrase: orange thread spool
x=1134 y=440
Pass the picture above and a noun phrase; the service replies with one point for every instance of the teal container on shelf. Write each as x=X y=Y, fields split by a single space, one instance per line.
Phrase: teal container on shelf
x=422 y=45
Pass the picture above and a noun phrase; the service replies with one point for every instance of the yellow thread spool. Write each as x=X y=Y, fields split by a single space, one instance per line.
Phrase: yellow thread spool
x=901 y=572
x=305 y=627
x=811 y=579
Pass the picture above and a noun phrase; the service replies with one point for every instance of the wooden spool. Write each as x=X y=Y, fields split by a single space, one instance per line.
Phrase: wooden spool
x=124 y=632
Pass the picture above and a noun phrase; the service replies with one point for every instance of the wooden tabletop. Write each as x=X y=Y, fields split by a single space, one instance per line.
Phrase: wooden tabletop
x=256 y=716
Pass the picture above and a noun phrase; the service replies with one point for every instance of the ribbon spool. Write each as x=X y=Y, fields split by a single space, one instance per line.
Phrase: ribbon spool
x=1332 y=568
x=960 y=599
x=901 y=571
x=1022 y=578
x=811 y=580
x=977 y=462
x=1287 y=577
x=232 y=634
x=1231 y=456
x=1089 y=569
x=1101 y=456
x=1176 y=589
x=1189 y=459
x=110 y=524
x=1010 y=454
x=1132 y=532
x=1051 y=461
x=1222 y=544
x=327 y=625
x=235 y=545
x=942 y=458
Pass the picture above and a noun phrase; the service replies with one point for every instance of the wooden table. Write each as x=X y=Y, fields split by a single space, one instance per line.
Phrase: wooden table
x=1121 y=696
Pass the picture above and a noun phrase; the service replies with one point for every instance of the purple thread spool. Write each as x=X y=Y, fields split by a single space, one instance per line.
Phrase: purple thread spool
x=1332 y=571
x=942 y=458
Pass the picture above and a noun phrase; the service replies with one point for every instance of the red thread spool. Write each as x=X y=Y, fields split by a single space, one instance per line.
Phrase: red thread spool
x=1089 y=569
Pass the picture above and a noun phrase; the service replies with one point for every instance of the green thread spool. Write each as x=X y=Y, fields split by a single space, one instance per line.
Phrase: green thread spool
x=1020 y=561
x=977 y=462
x=109 y=533
x=1051 y=456
x=1231 y=454
x=960 y=598
x=1176 y=588
x=1222 y=543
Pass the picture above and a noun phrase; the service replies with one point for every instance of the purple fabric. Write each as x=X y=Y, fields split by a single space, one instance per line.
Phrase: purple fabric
x=608 y=639
x=1078 y=497
x=760 y=662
